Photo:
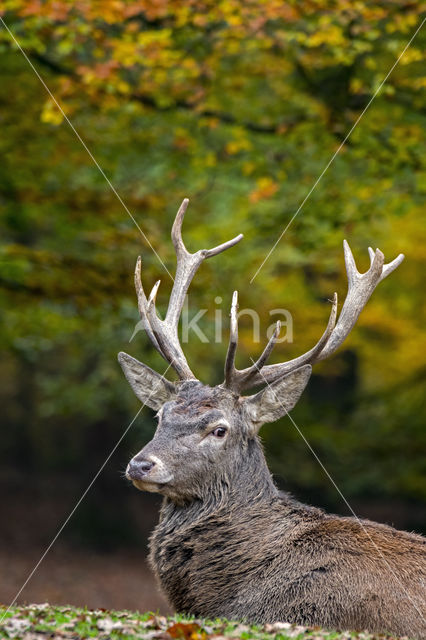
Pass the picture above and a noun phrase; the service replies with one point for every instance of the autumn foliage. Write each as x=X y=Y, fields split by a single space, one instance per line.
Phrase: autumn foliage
x=238 y=105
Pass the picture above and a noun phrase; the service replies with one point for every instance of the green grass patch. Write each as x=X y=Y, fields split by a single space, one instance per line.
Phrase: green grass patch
x=37 y=622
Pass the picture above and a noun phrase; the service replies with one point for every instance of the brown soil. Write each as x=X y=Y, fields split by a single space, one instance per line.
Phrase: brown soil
x=119 y=580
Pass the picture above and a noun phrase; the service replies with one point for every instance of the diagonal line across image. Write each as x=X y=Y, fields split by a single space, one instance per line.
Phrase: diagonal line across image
x=336 y=153
x=79 y=501
x=111 y=186
x=360 y=522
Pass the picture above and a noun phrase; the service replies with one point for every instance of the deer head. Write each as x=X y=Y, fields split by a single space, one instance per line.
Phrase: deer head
x=208 y=435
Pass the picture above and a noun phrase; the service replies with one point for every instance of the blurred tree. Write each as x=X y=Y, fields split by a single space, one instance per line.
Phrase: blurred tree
x=238 y=105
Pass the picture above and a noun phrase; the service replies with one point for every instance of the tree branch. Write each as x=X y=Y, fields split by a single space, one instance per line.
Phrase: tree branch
x=149 y=101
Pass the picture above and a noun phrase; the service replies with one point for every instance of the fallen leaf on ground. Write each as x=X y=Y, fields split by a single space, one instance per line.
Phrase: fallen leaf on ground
x=191 y=631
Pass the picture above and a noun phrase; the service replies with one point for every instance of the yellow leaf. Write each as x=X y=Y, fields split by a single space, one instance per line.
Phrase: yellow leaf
x=50 y=113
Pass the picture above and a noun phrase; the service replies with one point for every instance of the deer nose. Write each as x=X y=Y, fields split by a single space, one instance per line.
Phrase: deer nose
x=139 y=468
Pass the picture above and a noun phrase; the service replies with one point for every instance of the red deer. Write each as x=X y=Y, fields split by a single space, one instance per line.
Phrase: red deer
x=228 y=543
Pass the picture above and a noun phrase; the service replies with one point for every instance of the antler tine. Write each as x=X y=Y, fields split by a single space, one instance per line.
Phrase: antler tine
x=273 y=371
x=387 y=268
x=246 y=378
x=234 y=379
x=186 y=266
x=152 y=325
x=233 y=343
x=268 y=349
x=179 y=244
x=143 y=306
x=164 y=333
x=209 y=253
x=177 y=228
x=153 y=296
x=142 y=301
x=360 y=288
x=351 y=270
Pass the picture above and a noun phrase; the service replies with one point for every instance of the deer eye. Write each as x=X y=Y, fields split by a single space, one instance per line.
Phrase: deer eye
x=219 y=432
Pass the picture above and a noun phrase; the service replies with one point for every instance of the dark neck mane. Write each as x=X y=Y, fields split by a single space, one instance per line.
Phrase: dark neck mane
x=247 y=485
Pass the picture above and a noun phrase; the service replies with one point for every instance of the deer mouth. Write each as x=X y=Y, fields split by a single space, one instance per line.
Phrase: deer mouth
x=148 y=472
x=150 y=485
x=151 y=480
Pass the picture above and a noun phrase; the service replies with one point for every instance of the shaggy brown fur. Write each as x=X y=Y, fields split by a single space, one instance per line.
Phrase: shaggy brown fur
x=229 y=544
x=264 y=560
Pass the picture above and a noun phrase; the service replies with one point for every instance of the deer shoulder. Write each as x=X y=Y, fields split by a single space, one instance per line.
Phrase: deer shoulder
x=228 y=543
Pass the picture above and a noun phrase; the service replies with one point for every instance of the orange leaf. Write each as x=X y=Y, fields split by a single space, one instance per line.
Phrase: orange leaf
x=186 y=631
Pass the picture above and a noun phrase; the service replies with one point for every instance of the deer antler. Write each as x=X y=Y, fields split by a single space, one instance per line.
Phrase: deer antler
x=235 y=379
x=164 y=333
x=360 y=288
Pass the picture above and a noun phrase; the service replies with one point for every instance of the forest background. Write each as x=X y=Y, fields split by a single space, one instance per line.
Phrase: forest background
x=238 y=106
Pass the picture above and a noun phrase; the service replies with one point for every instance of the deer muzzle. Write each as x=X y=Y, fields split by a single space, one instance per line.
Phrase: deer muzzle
x=144 y=471
x=139 y=469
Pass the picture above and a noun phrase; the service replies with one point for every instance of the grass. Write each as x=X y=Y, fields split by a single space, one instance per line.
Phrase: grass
x=42 y=621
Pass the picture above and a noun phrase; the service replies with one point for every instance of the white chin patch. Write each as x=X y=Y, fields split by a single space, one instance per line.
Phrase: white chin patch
x=151 y=487
x=155 y=479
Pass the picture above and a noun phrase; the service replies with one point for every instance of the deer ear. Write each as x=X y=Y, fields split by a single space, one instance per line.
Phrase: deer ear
x=151 y=388
x=278 y=398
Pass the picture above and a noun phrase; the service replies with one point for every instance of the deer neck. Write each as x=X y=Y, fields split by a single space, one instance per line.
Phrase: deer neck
x=244 y=486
